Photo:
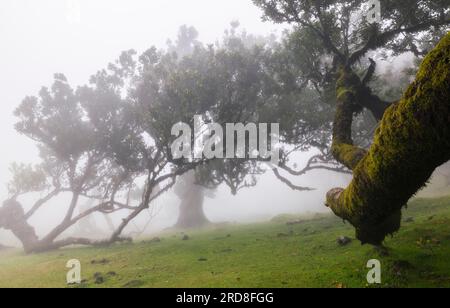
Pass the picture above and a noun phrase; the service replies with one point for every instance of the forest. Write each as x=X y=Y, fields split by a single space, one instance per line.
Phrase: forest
x=289 y=157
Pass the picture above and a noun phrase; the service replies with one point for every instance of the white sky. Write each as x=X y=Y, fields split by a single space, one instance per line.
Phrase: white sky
x=78 y=37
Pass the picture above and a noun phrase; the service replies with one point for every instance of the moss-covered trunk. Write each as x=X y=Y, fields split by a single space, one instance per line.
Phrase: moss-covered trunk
x=413 y=139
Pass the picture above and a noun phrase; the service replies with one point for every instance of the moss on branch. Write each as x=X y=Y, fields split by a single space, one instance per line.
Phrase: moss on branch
x=347 y=93
x=413 y=139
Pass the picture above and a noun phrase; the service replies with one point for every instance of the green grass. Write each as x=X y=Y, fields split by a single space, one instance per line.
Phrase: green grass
x=262 y=255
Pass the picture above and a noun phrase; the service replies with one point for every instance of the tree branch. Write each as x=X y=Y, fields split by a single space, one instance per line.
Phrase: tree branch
x=276 y=172
x=41 y=202
x=379 y=40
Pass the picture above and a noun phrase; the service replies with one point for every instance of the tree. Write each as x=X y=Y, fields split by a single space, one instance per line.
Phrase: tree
x=192 y=187
x=103 y=138
x=339 y=36
x=411 y=142
x=192 y=197
x=186 y=42
x=91 y=147
x=251 y=62
x=232 y=83
x=75 y=161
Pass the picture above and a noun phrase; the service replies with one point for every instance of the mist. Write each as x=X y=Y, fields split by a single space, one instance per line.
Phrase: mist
x=78 y=38
x=224 y=143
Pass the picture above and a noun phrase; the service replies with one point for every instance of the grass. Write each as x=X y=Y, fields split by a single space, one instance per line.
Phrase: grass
x=271 y=255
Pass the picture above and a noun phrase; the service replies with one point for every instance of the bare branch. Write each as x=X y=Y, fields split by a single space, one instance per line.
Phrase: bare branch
x=289 y=183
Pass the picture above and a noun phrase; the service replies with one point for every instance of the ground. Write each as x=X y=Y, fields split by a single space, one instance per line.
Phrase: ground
x=271 y=255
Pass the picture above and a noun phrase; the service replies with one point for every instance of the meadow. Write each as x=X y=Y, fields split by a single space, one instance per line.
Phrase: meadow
x=287 y=252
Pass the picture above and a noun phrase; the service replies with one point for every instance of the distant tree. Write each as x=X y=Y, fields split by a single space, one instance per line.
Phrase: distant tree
x=186 y=42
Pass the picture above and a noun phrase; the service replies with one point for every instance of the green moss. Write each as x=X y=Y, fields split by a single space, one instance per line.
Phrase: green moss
x=346 y=92
x=412 y=141
x=347 y=154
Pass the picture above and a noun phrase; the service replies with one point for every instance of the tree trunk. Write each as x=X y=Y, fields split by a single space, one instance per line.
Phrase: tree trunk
x=192 y=197
x=191 y=209
x=413 y=139
x=12 y=218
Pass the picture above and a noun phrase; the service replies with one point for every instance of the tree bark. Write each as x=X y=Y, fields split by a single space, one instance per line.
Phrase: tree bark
x=66 y=223
x=12 y=218
x=191 y=209
x=192 y=197
x=413 y=139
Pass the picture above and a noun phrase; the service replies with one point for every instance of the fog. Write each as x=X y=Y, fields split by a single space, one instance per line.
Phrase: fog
x=40 y=38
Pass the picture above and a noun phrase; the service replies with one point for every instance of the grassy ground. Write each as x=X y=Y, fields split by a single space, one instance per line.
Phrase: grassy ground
x=262 y=255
